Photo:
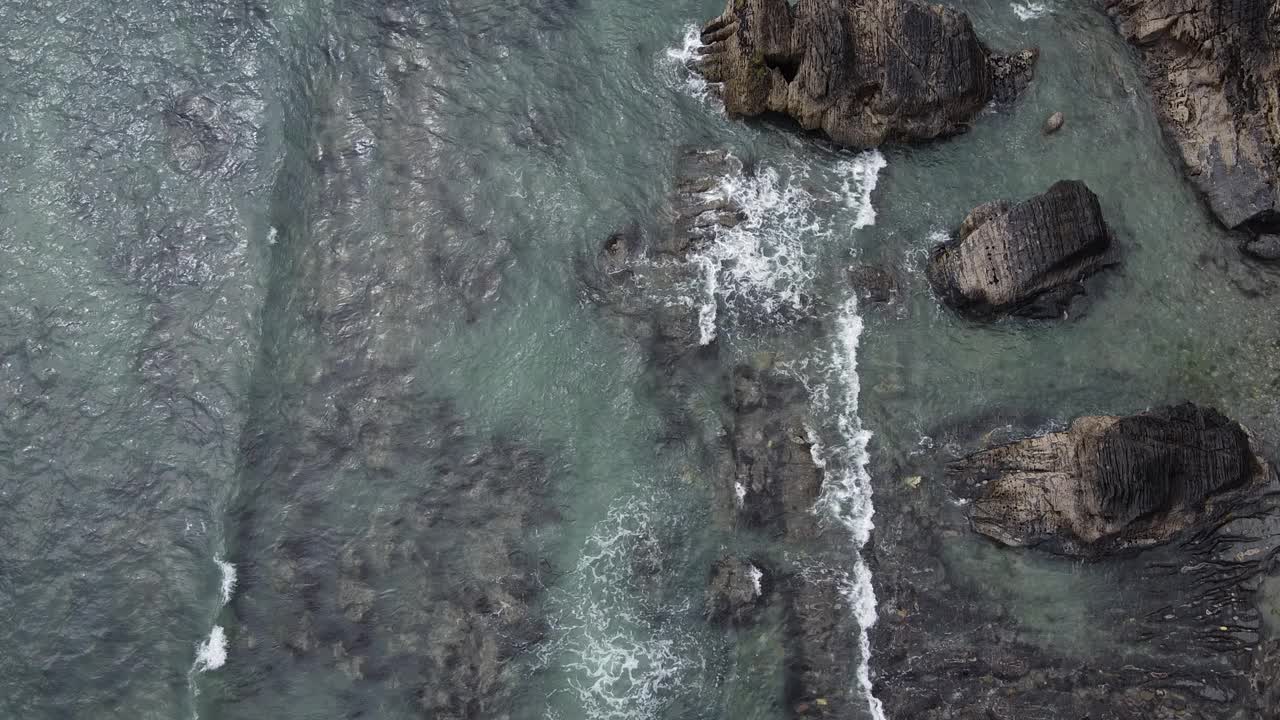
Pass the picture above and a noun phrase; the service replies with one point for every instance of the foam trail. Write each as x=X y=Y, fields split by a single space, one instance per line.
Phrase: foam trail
x=212 y=653
x=228 y=584
x=848 y=498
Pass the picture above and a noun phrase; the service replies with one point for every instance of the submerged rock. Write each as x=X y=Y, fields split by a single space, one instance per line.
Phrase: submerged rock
x=864 y=72
x=738 y=588
x=873 y=284
x=1213 y=68
x=1111 y=483
x=1025 y=259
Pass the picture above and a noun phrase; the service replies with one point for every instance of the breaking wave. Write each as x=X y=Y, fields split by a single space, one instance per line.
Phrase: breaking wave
x=766 y=263
x=212 y=653
x=627 y=653
x=677 y=62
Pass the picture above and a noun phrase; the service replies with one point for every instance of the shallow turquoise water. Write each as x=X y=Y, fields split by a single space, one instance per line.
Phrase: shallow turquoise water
x=217 y=217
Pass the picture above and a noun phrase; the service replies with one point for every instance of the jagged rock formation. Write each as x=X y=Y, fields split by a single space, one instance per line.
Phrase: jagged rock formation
x=864 y=72
x=1111 y=483
x=1027 y=258
x=1171 y=626
x=640 y=276
x=1213 y=67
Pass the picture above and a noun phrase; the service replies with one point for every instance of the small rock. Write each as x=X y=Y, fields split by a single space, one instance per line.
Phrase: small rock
x=1264 y=247
x=1054 y=123
x=737 y=588
x=873 y=284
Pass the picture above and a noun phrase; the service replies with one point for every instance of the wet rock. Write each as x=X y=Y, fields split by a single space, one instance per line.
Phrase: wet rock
x=775 y=478
x=1168 y=616
x=1028 y=258
x=1264 y=247
x=873 y=284
x=1111 y=483
x=737 y=590
x=864 y=72
x=647 y=278
x=1212 y=67
x=1054 y=123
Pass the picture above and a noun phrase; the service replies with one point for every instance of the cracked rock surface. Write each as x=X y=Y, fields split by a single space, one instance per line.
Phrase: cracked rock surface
x=864 y=72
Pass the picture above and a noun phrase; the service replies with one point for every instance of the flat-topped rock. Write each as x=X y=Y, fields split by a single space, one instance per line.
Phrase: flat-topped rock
x=1026 y=258
x=864 y=72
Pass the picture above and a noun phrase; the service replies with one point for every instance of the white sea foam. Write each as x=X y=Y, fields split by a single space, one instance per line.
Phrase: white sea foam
x=1029 y=10
x=860 y=177
x=228 y=583
x=766 y=262
x=212 y=653
x=756 y=576
x=846 y=497
x=623 y=661
x=676 y=62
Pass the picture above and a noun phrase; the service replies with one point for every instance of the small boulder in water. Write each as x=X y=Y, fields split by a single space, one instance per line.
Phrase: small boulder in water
x=738 y=588
x=1054 y=123
x=873 y=284
x=1028 y=258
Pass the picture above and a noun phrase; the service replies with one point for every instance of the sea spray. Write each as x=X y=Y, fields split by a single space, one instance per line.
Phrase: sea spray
x=678 y=63
x=212 y=653
x=228 y=584
x=860 y=177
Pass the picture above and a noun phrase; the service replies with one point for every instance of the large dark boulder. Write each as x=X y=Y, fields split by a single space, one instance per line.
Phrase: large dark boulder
x=864 y=72
x=1027 y=258
x=1213 y=67
x=1111 y=483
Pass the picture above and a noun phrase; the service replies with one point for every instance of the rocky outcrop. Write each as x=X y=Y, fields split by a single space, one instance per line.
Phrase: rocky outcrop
x=1112 y=483
x=1162 y=621
x=737 y=590
x=1028 y=258
x=1213 y=67
x=775 y=480
x=647 y=277
x=864 y=72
